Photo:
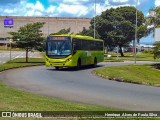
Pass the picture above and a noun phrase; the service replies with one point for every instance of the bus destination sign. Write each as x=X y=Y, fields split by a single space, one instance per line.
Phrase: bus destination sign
x=59 y=38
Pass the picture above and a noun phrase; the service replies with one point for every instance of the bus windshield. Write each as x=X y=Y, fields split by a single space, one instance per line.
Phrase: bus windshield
x=59 y=48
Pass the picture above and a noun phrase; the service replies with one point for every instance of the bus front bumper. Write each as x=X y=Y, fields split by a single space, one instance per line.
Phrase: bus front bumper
x=67 y=62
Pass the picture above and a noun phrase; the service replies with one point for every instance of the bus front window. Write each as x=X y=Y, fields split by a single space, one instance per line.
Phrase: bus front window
x=59 y=48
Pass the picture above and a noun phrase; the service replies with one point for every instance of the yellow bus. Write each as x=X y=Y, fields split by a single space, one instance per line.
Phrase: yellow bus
x=73 y=51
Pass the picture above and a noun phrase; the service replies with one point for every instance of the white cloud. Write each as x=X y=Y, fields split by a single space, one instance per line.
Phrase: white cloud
x=23 y=8
x=31 y=9
x=157 y=3
x=108 y=5
x=39 y=6
x=78 y=10
x=29 y=13
x=120 y=1
x=138 y=2
x=107 y=2
x=115 y=6
x=36 y=7
x=38 y=13
x=9 y=11
x=51 y=9
x=100 y=8
x=63 y=8
x=75 y=1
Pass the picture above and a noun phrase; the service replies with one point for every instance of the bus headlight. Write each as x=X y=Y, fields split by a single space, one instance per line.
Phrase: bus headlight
x=68 y=60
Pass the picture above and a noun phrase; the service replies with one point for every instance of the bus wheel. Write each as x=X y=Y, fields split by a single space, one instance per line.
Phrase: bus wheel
x=95 y=62
x=79 y=64
x=57 y=68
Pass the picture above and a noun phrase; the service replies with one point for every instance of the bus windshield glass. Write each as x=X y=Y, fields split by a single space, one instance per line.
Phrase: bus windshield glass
x=59 y=46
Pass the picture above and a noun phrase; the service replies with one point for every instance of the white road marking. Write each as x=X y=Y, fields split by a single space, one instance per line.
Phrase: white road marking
x=19 y=56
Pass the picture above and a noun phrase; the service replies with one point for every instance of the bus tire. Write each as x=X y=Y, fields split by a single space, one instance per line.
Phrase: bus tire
x=57 y=68
x=78 y=64
x=95 y=62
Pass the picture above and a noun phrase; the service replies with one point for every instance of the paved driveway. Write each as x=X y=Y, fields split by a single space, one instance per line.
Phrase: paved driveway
x=82 y=86
x=5 y=55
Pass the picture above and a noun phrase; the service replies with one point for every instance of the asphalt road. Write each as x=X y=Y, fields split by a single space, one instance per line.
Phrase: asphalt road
x=5 y=55
x=81 y=86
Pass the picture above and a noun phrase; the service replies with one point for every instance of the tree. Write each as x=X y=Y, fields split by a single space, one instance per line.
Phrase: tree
x=154 y=17
x=156 y=50
x=153 y=20
x=117 y=26
x=29 y=37
x=62 y=31
x=88 y=32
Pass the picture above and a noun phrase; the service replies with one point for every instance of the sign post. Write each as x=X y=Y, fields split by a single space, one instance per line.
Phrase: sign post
x=10 y=42
x=8 y=22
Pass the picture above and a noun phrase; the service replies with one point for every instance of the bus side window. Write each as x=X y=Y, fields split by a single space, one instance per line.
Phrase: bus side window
x=85 y=45
x=77 y=44
x=92 y=45
x=99 y=45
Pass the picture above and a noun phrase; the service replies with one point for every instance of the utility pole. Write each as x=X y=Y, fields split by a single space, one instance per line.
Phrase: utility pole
x=135 y=36
x=94 y=19
x=48 y=24
x=10 y=41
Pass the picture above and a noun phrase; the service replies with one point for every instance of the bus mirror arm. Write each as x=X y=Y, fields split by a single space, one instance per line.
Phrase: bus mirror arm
x=74 y=51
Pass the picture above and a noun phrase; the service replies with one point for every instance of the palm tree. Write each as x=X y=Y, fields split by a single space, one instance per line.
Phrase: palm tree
x=156 y=50
x=153 y=19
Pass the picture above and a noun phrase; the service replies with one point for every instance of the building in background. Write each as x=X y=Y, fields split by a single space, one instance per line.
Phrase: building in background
x=157 y=34
x=53 y=24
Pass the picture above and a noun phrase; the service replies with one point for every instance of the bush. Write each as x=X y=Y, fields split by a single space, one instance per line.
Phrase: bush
x=148 y=51
x=157 y=66
x=156 y=50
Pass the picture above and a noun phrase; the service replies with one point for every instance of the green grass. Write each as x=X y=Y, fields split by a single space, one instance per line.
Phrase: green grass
x=141 y=74
x=20 y=62
x=12 y=99
x=16 y=100
x=141 y=56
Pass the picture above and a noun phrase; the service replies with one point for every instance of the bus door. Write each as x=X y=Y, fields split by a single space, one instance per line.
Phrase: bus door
x=88 y=57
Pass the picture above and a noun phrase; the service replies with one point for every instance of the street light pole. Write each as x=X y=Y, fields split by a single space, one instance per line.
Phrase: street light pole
x=135 y=36
x=48 y=24
x=10 y=41
x=94 y=19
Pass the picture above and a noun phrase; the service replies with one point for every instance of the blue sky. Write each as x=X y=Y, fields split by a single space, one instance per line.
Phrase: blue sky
x=68 y=8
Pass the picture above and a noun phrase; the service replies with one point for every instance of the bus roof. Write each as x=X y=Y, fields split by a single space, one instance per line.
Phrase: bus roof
x=79 y=36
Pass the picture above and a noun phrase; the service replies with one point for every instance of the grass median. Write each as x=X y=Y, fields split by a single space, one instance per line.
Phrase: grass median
x=139 y=74
x=20 y=62
x=12 y=99
x=16 y=100
x=140 y=56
